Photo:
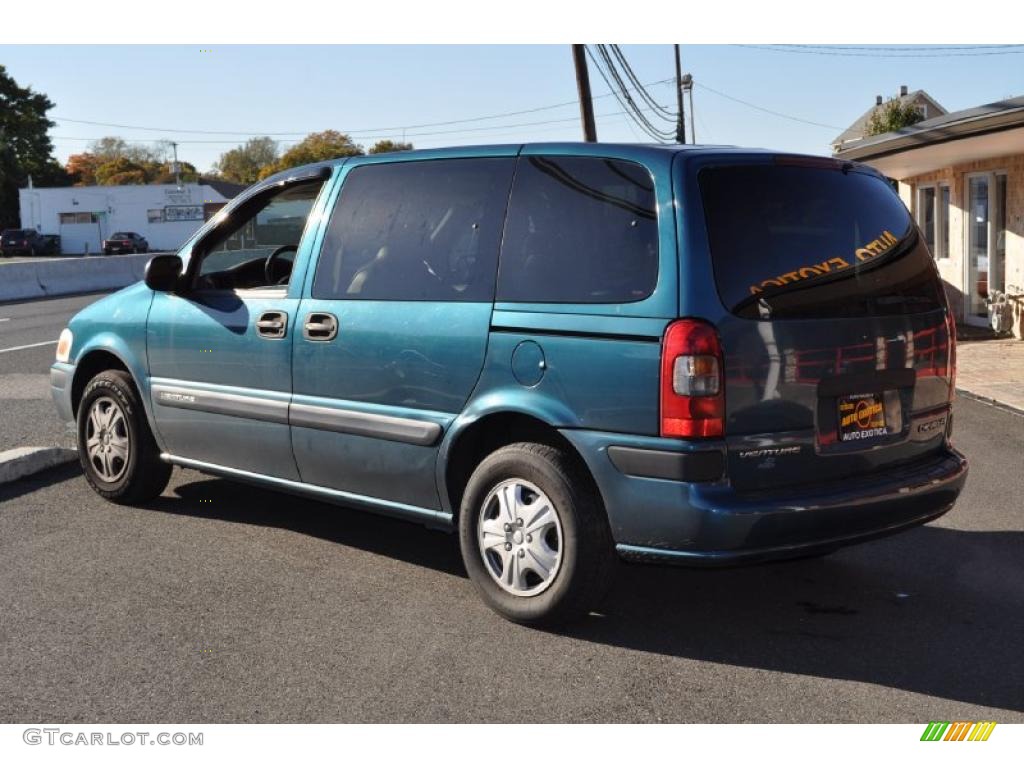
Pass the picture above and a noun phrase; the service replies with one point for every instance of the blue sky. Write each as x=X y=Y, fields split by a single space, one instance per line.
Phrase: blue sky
x=254 y=90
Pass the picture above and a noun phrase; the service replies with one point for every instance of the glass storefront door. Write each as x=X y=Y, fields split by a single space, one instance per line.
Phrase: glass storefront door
x=986 y=238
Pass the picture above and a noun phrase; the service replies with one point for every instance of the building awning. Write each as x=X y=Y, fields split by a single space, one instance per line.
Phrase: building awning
x=992 y=130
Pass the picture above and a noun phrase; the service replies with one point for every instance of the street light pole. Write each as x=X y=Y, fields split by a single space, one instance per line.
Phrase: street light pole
x=579 y=57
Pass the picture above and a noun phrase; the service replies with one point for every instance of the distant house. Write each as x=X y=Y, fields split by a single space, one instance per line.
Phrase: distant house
x=962 y=176
x=165 y=214
x=929 y=108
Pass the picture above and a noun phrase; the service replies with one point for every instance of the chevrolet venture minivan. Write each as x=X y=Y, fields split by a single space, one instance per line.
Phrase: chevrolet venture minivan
x=567 y=353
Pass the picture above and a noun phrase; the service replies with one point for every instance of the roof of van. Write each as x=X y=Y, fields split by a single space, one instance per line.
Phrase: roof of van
x=584 y=148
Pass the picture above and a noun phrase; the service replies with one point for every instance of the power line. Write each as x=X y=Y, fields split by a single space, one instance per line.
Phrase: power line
x=622 y=95
x=879 y=53
x=765 y=109
x=638 y=86
x=225 y=142
x=372 y=131
x=902 y=47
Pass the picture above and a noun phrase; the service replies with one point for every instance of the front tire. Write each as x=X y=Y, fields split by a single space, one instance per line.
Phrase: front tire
x=116 y=448
x=534 y=536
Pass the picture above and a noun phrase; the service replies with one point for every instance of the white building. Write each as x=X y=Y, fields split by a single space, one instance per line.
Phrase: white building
x=165 y=214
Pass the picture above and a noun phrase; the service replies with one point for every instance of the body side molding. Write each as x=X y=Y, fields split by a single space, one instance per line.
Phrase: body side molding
x=431 y=517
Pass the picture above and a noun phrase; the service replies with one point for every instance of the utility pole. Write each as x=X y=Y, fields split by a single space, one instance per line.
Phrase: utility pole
x=579 y=57
x=177 y=170
x=681 y=120
x=688 y=82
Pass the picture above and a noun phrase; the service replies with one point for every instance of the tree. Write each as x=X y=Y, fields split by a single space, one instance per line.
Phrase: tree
x=242 y=165
x=161 y=173
x=25 y=146
x=387 y=145
x=120 y=170
x=112 y=160
x=892 y=116
x=316 y=147
x=82 y=168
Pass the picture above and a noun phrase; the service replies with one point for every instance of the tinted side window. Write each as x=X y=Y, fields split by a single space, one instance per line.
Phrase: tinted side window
x=792 y=241
x=580 y=230
x=416 y=231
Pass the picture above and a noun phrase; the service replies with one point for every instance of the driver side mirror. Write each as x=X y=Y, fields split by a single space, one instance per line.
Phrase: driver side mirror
x=163 y=272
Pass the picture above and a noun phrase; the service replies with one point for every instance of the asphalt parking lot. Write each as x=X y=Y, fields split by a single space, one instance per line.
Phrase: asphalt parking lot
x=223 y=603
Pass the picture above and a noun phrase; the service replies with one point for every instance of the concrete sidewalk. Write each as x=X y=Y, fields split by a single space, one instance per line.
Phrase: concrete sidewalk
x=992 y=370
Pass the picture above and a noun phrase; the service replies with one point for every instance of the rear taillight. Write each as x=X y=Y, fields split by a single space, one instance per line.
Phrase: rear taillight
x=692 y=381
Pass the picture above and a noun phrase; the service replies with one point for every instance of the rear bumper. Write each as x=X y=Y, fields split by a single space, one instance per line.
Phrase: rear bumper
x=709 y=523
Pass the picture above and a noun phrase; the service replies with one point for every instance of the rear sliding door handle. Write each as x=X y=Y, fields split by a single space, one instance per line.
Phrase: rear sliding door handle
x=320 y=326
x=272 y=324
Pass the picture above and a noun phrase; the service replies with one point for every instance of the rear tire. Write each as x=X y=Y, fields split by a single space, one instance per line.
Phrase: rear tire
x=116 y=448
x=529 y=566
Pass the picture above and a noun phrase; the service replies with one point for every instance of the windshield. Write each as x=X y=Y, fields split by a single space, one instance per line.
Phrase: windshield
x=794 y=241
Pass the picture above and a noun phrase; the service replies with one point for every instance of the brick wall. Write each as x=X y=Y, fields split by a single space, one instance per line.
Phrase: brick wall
x=952 y=268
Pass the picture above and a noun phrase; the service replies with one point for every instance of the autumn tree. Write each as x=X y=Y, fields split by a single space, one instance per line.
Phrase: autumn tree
x=387 y=145
x=25 y=146
x=892 y=116
x=112 y=160
x=242 y=165
x=316 y=147
x=82 y=168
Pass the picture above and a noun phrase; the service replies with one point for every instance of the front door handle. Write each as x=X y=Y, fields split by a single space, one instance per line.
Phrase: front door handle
x=272 y=324
x=320 y=326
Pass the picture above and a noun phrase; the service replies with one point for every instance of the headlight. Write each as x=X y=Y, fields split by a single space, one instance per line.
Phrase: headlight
x=64 y=346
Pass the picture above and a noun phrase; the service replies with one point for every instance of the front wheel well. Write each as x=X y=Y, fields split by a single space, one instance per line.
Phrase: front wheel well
x=495 y=431
x=93 y=363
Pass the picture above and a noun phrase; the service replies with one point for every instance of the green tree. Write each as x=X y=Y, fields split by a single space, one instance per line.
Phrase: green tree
x=892 y=116
x=120 y=170
x=25 y=146
x=161 y=173
x=387 y=145
x=316 y=147
x=243 y=164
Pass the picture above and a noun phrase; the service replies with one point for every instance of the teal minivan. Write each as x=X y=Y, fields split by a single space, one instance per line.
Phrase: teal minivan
x=570 y=354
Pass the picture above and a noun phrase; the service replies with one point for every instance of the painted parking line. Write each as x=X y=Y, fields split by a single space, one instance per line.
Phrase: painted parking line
x=28 y=346
x=4 y=319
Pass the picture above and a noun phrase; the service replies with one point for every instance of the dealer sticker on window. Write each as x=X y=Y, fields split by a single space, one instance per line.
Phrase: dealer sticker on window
x=861 y=417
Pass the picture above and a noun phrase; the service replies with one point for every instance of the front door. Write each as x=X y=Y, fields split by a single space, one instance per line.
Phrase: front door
x=986 y=244
x=394 y=321
x=220 y=349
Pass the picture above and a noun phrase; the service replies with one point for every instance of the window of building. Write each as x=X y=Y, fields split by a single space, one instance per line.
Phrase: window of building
x=416 y=231
x=926 y=215
x=580 y=230
x=942 y=220
x=76 y=217
x=933 y=209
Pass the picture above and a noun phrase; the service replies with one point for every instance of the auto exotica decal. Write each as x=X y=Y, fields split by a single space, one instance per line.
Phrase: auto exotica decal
x=875 y=248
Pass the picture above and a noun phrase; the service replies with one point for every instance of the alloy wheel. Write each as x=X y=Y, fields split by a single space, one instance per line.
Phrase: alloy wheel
x=106 y=440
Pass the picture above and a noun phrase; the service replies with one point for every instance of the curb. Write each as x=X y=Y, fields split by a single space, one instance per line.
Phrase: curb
x=22 y=462
x=990 y=401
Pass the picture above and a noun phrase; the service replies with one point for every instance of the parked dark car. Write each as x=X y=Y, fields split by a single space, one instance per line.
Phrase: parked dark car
x=566 y=353
x=27 y=242
x=125 y=242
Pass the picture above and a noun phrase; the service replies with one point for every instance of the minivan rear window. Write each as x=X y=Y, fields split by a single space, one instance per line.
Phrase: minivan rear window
x=797 y=241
